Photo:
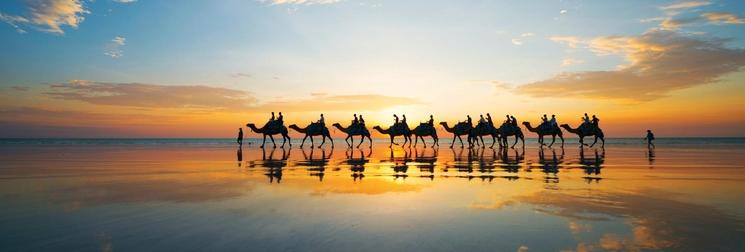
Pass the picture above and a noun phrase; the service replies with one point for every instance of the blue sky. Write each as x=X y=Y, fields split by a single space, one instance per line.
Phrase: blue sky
x=424 y=50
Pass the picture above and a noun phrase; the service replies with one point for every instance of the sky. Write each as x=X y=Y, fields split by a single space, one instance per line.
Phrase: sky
x=148 y=68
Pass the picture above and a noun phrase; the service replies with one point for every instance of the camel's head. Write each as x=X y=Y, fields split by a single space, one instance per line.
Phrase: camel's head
x=377 y=127
x=526 y=123
x=293 y=126
x=443 y=123
x=564 y=125
x=336 y=125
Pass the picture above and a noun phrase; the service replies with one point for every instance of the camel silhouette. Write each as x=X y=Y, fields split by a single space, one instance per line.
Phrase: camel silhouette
x=460 y=129
x=355 y=130
x=507 y=130
x=271 y=128
x=545 y=130
x=586 y=130
x=484 y=129
x=314 y=129
x=425 y=129
x=398 y=129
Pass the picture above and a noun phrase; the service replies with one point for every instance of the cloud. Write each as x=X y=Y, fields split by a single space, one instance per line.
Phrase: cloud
x=570 y=41
x=48 y=15
x=519 y=41
x=369 y=102
x=659 y=62
x=152 y=95
x=562 y=12
x=571 y=61
x=240 y=75
x=685 y=5
x=301 y=2
x=113 y=48
x=723 y=18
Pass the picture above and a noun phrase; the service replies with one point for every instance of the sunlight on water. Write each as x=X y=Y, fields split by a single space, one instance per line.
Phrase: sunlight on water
x=189 y=195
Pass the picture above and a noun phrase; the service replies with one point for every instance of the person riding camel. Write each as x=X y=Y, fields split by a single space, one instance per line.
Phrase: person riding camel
x=272 y=119
x=544 y=120
x=355 y=121
x=585 y=119
x=513 y=121
x=508 y=119
x=362 y=120
x=553 y=123
x=395 y=117
x=488 y=119
x=482 y=120
x=595 y=121
x=403 y=119
x=431 y=121
x=468 y=120
x=280 y=118
x=321 y=120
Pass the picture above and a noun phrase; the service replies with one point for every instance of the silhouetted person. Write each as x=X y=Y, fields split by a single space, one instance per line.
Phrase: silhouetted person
x=649 y=139
x=321 y=120
x=552 y=122
x=488 y=119
x=544 y=119
x=240 y=137
x=431 y=120
x=272 y=119
x=468 y=119
x=362 y=120
x=481 y=119
x=513 y=121
x=403 y=119
x=585 y=119
x=355 y=119
x=508 y=119
x=395 y=118
x=595 y=121
x=281 y=118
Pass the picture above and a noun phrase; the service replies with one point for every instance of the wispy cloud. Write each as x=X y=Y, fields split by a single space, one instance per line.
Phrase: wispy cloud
x=519 y=40
x=240 y=75
x=570 y=41
x=114 y=48
x=659 y=62
x=723 y=18
x=48 y=15
x=369 y=102
x=685 y=5
x=152 y=95
x=571 y=61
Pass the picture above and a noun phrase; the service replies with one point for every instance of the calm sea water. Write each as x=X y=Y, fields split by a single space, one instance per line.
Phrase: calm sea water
x=206 y=194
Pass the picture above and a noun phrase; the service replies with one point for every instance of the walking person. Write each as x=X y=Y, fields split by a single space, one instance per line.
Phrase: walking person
x=649 y=138
x=240 y=137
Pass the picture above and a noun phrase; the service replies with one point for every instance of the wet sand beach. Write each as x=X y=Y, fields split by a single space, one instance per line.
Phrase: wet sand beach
x=184 y=195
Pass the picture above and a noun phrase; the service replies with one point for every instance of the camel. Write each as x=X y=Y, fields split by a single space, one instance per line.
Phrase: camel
x=484 y=129
x=396 y=130
x=355 y=130
x=545 y=131
x=507 y=130
x=314 y=129
x=458 y=130
x=425 y=129
x=271 y=128
x=586 y=130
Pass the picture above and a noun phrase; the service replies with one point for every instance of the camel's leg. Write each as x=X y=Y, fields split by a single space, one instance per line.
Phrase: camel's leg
x=562 y=140
x=303 y=142
x=453 y=143
x=603 y=139
x=437 y=140
x=289 y=140
x=461 y=141
x=516 y=138
x=323 y=141
x=483 y=144
x=346 y=140
x=594 y=142
x=553 y=139
x=369 y=139
x=391 y=145
x=581 y=141
x=332 y=141
x=274 y=143
x=416 y=141
x=263 y=142
x=312 y=145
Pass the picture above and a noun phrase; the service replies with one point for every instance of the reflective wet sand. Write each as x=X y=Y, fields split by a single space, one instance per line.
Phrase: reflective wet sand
x=214 y=197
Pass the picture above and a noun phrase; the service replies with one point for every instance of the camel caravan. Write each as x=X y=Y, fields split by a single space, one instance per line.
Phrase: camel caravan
x=474 y=134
